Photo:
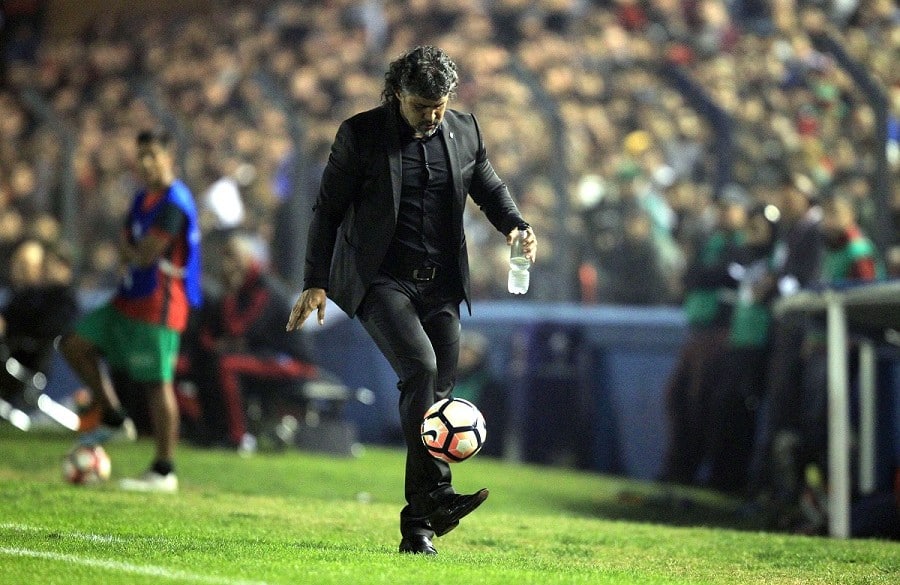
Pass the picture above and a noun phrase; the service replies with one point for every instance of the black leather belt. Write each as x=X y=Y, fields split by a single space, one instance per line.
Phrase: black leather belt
x=414 y=274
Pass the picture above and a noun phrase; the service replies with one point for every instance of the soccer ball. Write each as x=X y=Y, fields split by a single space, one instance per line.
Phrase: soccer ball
x=453 y=430
x=86 y=464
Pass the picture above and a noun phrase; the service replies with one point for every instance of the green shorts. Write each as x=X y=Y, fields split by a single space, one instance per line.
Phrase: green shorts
x=146 y=352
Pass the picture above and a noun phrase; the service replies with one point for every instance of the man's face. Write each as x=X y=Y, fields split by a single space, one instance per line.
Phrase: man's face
x=424 y=115
x=155 y=165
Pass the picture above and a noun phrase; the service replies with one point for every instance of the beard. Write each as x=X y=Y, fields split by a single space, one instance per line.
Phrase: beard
x=426 y=130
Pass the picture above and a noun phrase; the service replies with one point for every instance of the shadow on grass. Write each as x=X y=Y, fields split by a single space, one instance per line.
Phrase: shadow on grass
x=664 y=504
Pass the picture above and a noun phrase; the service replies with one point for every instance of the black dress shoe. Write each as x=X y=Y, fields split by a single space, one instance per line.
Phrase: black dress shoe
x=417 y=544
x=447 y=515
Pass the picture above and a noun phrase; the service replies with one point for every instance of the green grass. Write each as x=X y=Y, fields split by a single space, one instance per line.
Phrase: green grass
x=300 y=518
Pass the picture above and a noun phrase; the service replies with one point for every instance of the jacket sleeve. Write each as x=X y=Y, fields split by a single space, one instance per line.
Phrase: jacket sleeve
x=807 y=258
x=490 y=192
x=708 y=277
x=340 y=183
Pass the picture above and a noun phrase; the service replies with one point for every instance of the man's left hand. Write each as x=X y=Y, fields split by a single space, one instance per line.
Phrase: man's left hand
x=530 y=244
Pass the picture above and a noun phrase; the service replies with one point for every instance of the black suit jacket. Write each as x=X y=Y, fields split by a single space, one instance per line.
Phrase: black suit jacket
x=355 y=215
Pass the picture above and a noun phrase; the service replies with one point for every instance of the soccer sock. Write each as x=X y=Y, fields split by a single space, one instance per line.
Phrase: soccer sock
x=114 y=418
x=162 y=467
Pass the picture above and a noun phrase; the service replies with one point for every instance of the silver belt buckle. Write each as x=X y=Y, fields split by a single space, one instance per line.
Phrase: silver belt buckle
x=424 y=274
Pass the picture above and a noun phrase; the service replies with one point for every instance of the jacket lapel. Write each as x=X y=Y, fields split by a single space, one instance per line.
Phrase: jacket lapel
x=394 y=161
x=455 y=168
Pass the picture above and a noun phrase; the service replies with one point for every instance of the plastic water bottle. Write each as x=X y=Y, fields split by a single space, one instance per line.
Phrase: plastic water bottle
x=519 y=265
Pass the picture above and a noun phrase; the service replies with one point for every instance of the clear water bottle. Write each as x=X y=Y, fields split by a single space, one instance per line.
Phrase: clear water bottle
x=519 y=266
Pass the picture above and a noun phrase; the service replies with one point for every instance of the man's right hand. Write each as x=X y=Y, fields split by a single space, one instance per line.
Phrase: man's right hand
x=311 y=299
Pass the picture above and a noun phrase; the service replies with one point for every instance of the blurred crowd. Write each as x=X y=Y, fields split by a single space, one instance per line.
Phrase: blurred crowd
x=254 y=91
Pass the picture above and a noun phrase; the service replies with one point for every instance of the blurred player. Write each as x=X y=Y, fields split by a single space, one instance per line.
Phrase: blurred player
x=138 y=332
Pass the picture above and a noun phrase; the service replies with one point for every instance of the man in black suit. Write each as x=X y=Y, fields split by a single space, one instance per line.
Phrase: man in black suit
x=386 y=244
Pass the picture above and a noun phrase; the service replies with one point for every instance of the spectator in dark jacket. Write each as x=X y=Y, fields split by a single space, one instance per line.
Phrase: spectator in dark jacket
x=796 y=264
x=742 y=384
x=633 y=267
x=42 y=306
x=708 y=289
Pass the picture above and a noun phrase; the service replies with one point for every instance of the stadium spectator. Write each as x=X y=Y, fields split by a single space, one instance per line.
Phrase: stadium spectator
x=796 y=265
x=41 y=307
x=849 y=257
x=12 y=229
x=403 y=270
x=138 y=332
x=242 y=349
x=621 y=284
x=893 y=253
x=477 y=383
x=742 y=385
x=708 y=307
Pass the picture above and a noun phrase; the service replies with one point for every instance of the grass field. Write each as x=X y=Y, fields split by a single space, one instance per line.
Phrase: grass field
x=299 y=518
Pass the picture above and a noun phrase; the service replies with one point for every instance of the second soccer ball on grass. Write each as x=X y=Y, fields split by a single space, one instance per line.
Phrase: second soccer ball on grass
x=86 y=464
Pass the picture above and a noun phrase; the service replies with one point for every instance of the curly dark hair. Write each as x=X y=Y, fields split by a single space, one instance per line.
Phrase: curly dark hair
x=425 y=71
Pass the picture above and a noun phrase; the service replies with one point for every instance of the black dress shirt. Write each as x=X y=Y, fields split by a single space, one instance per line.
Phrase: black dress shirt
x=424 y=234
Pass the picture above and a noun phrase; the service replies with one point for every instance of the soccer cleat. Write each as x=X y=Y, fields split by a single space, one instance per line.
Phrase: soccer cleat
x=447 y=516
x=103 y=433
x=248 y=445
x=151 y=482
x=418 y=545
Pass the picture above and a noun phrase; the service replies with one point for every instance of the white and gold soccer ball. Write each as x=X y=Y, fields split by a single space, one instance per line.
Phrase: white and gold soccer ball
x=453 y=430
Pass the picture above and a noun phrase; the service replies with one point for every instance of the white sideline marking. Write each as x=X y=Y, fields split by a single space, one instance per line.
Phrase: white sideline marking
x=147 y=570
x=74 y=535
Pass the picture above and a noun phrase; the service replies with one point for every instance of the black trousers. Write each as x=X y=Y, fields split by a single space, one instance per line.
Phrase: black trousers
x=416 y=327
